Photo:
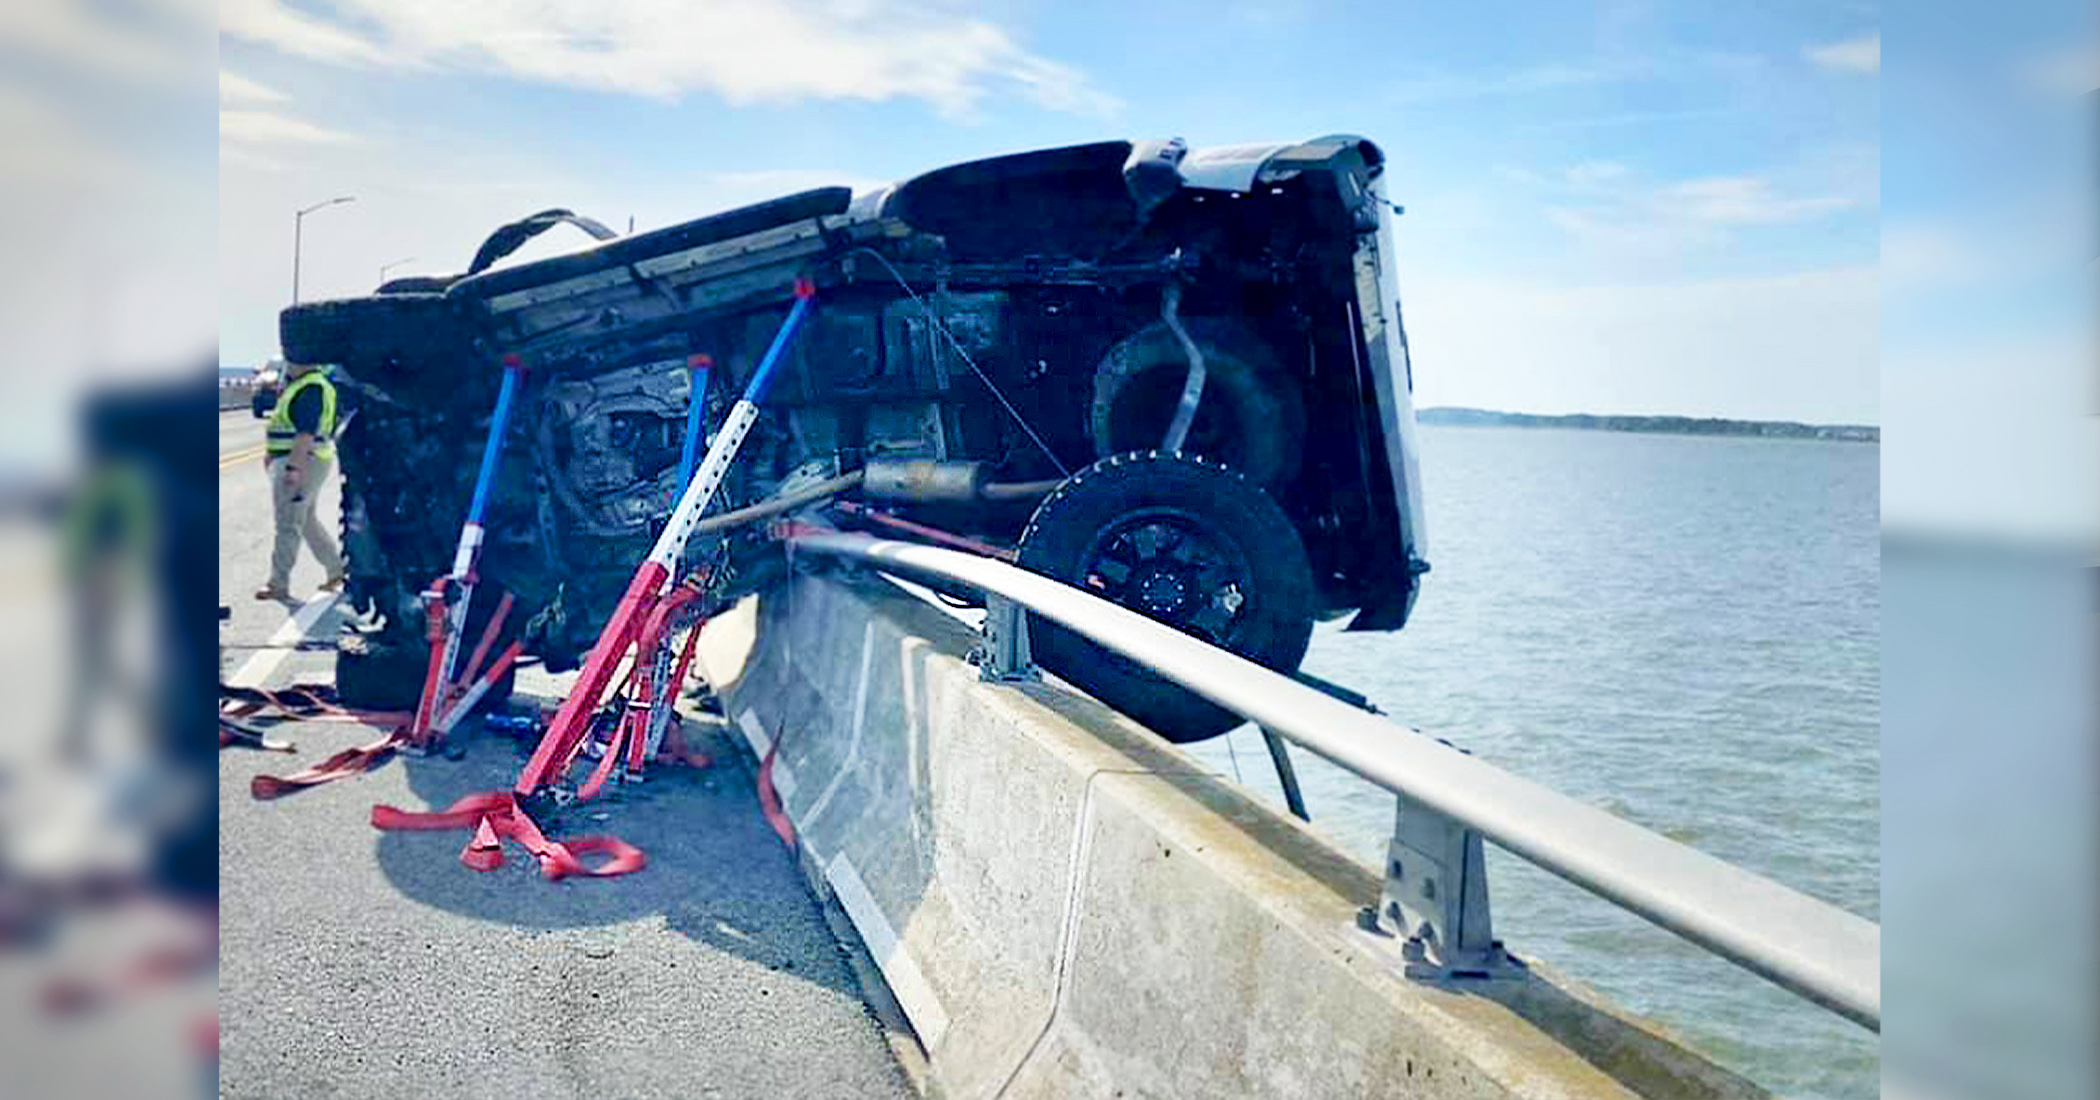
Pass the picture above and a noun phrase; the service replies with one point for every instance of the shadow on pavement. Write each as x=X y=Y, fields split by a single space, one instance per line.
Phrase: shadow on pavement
x=716 y=873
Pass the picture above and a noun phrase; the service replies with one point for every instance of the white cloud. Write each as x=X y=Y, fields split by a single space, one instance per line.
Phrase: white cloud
x=273 y=23
x=234 y=88
x=1741 y=200
x=243 y=121
x=1633 y=235
x=745 y=51
x=1609 y=205
x=247 y=125
x=249 y=158
x=1854 y=55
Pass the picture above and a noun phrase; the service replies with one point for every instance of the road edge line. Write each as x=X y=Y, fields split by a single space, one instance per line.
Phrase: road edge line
x=259 y=668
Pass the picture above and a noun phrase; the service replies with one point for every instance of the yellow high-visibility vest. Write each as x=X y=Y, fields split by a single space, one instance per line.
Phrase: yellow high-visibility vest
x=279 y=434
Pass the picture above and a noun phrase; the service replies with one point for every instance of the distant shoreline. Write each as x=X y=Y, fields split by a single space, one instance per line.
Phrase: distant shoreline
x=1458 y=416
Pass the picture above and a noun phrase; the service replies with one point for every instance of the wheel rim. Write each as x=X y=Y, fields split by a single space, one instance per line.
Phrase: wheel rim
x=1169 y=565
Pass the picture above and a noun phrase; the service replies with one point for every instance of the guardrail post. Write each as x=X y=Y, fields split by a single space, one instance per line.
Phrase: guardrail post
x=1435 y=897
x=1004 y=656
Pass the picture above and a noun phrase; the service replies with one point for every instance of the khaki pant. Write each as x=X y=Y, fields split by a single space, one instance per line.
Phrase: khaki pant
x=296 y=519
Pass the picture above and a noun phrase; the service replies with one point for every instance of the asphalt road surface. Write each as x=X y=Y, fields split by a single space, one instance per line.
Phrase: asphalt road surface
x=355 y=963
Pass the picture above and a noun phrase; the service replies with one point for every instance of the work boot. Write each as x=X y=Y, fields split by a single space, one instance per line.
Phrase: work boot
x=333 y=584
x=273 y=592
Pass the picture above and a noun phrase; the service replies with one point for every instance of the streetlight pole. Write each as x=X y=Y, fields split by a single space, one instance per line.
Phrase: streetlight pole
x=386 y=267
x=298 y=231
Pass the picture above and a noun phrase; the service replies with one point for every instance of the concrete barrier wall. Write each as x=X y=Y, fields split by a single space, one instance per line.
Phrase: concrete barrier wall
x=235 y=393
x=1065 y=905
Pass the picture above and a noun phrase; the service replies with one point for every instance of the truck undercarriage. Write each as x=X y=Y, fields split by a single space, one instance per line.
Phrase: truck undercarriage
x=1003 y=350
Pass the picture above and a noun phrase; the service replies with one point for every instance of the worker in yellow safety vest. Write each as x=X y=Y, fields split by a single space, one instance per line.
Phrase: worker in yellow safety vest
x=298 y=451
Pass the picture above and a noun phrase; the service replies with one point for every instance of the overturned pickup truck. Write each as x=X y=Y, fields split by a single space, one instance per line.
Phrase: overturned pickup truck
x=1175 y=377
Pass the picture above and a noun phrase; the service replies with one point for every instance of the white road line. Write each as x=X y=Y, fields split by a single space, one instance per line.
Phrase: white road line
x=295 y=630
x=755 y=732
x=921 y=1005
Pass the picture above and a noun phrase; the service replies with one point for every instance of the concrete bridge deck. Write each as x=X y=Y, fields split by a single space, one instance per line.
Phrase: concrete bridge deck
x=359 y=964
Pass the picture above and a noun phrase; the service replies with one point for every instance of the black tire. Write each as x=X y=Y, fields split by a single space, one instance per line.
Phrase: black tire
x=374 y=674
x=418 y=284
x=1231 y=541
x=383 y=341
x=378 y=674
x=386 y=671
x=1252 y=417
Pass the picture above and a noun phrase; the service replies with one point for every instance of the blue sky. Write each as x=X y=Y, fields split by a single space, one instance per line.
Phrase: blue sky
x=1630 y=207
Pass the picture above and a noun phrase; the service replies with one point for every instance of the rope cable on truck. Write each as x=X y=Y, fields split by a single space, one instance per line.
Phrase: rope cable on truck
x=935 y=320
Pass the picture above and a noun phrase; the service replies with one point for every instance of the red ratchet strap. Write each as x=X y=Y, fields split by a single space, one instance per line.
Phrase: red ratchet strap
x=630 y=732
x=930 y=534
x=443 y=704
x=769 y=799
x=655 y=636
x=655 y=640
x=572 y=723
x=599 y=774
x=676 y=751
x=488 y=638
x=311 y=703
x=421 y=729
x=432 y=701
x=495 y=816
x=304 y=702
x=627 y=634
x=674 y=746
x=348 y=762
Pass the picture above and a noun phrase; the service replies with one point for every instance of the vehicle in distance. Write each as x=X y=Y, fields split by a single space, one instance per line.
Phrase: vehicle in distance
x=1001 y=350
x=267 y=384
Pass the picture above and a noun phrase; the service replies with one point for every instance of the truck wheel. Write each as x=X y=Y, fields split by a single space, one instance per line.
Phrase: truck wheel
x=385 y=671
x=1182 y=540
x=383 y=341
x=1252 y=417
x=373 y=674
x=379 y=674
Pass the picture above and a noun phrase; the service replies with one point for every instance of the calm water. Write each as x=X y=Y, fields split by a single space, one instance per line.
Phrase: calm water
x=1684 y=631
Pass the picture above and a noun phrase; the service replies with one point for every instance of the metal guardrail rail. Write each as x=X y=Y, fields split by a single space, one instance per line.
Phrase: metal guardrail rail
x=1448 y=801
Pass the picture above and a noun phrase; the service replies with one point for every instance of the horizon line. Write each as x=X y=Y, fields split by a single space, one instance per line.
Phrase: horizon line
x=1651 y=415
